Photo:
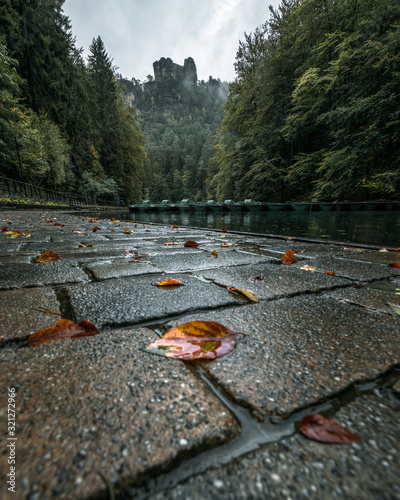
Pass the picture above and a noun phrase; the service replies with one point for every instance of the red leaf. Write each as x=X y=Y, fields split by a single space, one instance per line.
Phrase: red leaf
x=319 y=428
x=195 y=340
x=191 y=244
x=58 y=224
x=395 y=264
x=288 y=258
x=4 y=228
x=96 y=228
x=260 y=277
x=63 y=329
x=224 y=230
x=330 y=273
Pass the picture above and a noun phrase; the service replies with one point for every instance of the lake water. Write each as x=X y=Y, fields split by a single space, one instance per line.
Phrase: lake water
x=365 y=227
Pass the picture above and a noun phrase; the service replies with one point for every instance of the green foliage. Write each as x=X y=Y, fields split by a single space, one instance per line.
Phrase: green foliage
x=314 y=111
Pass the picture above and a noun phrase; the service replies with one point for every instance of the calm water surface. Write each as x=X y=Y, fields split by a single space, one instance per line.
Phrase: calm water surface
x=374 y=228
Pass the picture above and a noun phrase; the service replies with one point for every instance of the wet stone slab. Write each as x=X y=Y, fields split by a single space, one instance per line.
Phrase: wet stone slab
x=134 y=300
x=278 y=280
x=375 y=296
x=101 y=404
x=298 y=351
x=297 y=468
x=377 y=257
x=19 y=319
x=347 y=268
x=122 y=269
x=40 y=274
x=188 y=262
x=7 y=258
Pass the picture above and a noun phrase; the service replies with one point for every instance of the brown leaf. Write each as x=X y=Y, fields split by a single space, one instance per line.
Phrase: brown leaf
x=58 y=224
x=169 y=282
x=249 y=295
x=224 y=230
x=395 y=264
x=175 y=226
x=288 y=258
x=195 y=340
x=359 y=285
x=319 y=428
x=96 y=228
x=63 y=329
x=191 y=243
x=4 y=228
x=331 y=273
x=49 y=256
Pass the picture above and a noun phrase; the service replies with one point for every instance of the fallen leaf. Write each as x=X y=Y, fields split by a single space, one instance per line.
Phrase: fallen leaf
x=288 y=258
x=195 y=340
x=319 y=428
x=126 y=231
x=397 y=250
x=308 y=268
x=384 y=249
x=4 y=228
x=359 y=285
x=214 y=253
x=395 y=308
x=58 y=224
x=49 y=222
x=247 y=294
x=331 y=273
x=191 y=244
x=260 y=277
x=170 y=243
x=49 y=256
x=224 y=245
x=175 y=226
x=78 y=232
x=63 y=329
x=300 y=251
x=81 y=245
x=224 y=230
x=96 y=229
x=395 y=264
x=169 y=282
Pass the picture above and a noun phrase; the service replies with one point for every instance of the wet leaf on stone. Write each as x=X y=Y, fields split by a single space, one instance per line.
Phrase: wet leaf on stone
x=224 y=230
x=78 y=232
x=96 y=229
x=384 y=249
x=175 y=226
x=126 y=231
x=195 y=340
x=331 y=273
x=49 y=256
x=171 y=243
x=214 y=253
x=225 y=245
x=4 y=228
x=63 y=329
x=288 y=258
x=169 y=282
x=191 y=243
x=249 y=295
x=58 y=224
x=319 y=428
x=260 y=277
x=395 y=308
x=395 y=264
x=308 y=268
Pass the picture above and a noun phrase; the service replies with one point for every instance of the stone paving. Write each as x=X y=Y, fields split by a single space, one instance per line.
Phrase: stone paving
x=98 y=417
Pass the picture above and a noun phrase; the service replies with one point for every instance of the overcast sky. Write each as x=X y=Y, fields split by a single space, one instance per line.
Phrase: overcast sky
x=138 y=32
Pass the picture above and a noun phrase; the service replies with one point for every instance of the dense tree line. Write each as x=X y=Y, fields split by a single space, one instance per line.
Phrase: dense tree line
x=179 y=120
x=64 y=123
x=314 y=112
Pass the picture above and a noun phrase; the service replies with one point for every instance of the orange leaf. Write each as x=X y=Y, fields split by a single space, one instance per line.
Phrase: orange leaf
x=395 y=264
x=331 y=273
x=81 y=245
x=4 y=228
x=195 y=340
x=175 y=226
x=58 y=224
x=127 y=231
x=174 y=243
x=225 y=245
x=63 y=329
x=214 y=253
x=288 y=258
x=169 y=282
x=96 y=229
x=191 y=244
x=48 y=256
x=319 y=428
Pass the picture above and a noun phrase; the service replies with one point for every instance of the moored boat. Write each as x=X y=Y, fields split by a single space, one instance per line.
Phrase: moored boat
x=252 y=206
x=185 y=205
x=232 y=206
x=274 y=207
x=164 y=206
x=299 y=206
x=214 y=206
x=142 y=206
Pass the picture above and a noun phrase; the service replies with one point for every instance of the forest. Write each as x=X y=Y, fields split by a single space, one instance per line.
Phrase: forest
x=314 y=111
x=312 y=114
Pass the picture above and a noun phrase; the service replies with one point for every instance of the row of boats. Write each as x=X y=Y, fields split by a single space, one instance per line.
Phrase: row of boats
x=249 y=205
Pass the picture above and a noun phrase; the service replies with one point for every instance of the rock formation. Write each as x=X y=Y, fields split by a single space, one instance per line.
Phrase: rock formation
x=165 y=69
